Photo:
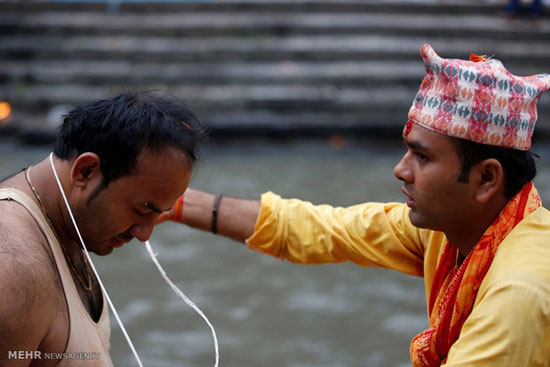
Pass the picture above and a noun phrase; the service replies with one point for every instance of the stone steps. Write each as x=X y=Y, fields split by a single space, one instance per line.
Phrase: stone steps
x=241 y=6
x=338 y=72
x=232 y=97
x=258 y=66
x=322 y=48
x=185 y=24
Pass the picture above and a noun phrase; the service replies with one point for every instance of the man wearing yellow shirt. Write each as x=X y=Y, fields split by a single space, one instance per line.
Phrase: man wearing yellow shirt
x=473 y=226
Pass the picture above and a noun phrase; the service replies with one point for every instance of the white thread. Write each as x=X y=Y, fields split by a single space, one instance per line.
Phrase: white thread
x=184 y=297
x=92 y=265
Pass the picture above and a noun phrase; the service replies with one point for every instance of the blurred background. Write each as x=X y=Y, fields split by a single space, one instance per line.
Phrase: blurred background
x=305 y=98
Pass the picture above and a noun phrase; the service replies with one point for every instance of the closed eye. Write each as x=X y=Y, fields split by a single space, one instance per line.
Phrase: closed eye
x=152 y=207
x=141 y=214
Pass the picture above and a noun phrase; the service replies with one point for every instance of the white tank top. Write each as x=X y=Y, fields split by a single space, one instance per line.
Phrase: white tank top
x=88 y=343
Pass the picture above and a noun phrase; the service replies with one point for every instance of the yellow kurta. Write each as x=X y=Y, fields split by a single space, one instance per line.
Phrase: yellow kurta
x=510 y=321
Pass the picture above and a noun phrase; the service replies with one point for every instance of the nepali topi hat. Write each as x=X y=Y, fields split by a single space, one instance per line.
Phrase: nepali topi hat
x=477 y=100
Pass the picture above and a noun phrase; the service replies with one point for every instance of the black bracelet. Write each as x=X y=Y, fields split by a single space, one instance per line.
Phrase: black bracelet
x=214 y=225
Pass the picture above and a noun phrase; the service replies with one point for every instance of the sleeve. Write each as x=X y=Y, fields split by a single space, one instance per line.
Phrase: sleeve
x=510 y=326
x=371 y=234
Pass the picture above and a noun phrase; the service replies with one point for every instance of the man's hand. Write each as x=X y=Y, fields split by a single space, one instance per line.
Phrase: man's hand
x=165 y=216
x=175 y=213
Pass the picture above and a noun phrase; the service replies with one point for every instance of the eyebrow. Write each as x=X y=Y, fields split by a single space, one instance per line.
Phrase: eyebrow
x=152 y=206
x=417 y=146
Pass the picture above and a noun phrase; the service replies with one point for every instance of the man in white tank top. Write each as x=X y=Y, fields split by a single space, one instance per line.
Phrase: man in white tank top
x=121 y=163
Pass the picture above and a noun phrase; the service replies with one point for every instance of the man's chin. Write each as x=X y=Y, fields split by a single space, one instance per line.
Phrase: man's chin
x=417 y=220
x=107 y=247
x=420 y=221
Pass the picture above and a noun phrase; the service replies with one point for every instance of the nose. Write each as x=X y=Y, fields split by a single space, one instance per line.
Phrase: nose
x=402 y=170
x=142 y=231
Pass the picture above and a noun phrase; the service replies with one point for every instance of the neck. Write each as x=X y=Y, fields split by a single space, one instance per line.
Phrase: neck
x=467 y=232
x=46 y=186
x=47 y=193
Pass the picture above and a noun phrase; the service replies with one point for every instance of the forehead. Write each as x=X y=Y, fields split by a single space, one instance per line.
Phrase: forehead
x=158 y=176
x=167 y=159
x=434 y=142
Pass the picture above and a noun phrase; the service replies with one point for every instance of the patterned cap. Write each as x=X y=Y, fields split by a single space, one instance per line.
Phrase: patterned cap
x=477 y=100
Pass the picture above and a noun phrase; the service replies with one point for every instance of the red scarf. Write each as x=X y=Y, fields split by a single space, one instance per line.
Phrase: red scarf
x=454 y=289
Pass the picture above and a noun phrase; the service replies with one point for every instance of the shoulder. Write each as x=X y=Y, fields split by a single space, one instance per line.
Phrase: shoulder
x=523 y=257
x=511 y=320
x=28 y=280
x=518 y=280
x=23 y=255
x=511 y=313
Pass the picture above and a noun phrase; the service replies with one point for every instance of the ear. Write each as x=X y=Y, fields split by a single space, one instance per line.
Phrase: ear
x=488 y=176
x=86 y=169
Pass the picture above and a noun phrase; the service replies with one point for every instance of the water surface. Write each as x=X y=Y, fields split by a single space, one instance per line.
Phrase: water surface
x=267 y=313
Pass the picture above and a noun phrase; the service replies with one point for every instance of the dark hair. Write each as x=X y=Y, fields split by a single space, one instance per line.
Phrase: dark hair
x=118 y=129
x=519 y=166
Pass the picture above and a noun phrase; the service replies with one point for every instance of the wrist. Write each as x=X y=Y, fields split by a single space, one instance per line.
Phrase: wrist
x=178 y=209
x=215 y=209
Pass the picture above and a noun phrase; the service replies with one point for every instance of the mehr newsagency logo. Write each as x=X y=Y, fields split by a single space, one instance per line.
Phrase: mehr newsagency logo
x=35 y=354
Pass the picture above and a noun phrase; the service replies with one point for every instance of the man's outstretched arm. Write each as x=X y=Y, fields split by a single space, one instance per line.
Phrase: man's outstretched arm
x=231 y=217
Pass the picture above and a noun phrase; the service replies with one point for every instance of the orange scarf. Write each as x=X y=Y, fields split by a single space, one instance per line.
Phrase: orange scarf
x=454 y=289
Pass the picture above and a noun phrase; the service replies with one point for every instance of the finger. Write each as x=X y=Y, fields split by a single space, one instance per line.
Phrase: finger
x=164 y=217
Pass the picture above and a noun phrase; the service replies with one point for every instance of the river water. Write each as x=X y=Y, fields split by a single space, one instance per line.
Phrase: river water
x=267 y=313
